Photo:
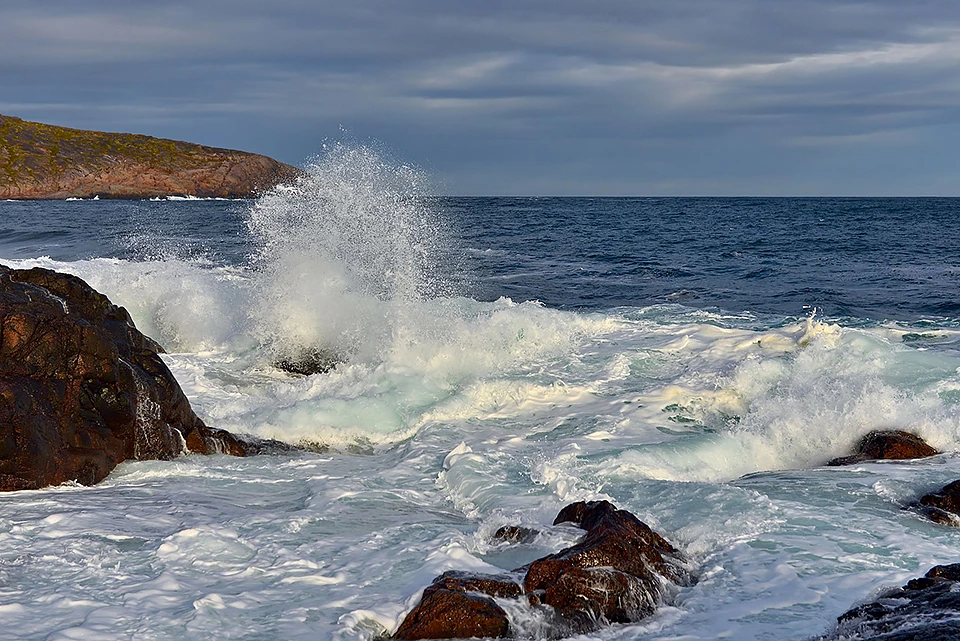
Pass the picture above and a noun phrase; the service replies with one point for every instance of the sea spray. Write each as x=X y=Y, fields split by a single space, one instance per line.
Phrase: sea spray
x=342 y=254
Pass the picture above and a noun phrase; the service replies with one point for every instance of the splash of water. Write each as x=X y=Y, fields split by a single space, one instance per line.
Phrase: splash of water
x=343 y=253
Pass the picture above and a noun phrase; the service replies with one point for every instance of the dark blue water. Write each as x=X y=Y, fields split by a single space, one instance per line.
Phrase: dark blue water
x=876 y=258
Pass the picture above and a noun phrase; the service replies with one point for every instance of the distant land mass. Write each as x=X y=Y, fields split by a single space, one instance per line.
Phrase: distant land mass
x=39 y=161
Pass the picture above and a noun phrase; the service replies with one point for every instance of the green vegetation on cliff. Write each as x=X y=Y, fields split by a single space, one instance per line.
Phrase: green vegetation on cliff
x=43 y=161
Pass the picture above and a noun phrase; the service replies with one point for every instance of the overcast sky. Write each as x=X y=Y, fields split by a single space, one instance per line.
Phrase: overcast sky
x=632 y=97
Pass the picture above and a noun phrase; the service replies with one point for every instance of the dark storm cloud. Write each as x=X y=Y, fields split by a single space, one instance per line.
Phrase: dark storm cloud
x=699 y=96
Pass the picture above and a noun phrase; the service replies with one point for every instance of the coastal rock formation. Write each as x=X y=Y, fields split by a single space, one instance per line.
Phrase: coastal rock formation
x=924 y=608
x=613 y=574
x=887 y=444
x=515 y=534
x=82 y=390
x=942 y=507
x=455 y=606
x=617 y=573
x=44 y=161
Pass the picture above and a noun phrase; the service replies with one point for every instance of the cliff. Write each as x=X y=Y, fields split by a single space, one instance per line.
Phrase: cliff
x=39 y=161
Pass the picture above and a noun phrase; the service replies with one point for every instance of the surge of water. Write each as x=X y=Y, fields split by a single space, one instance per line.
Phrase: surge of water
x=343 y=254
x=452 y=416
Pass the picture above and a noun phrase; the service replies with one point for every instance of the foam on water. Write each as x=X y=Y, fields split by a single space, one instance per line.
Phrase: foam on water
x=680 y=400
x=451 y=417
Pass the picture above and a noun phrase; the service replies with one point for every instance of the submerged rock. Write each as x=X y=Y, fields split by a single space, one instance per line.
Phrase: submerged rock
x=82 y=390
x=927 y=608
x=617 y=573
x=515 y=534
x=887 y=444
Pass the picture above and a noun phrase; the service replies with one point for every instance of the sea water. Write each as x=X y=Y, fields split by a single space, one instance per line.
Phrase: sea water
x=695 y=361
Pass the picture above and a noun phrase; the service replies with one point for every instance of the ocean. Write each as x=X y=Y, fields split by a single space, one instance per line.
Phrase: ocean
x=693 y=360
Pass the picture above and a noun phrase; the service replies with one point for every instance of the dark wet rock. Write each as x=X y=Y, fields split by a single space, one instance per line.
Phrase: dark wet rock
x=515 y=534
x=943 y=506
x=316 y=447
x=82 y=390
x=457 y=605
x=890 y=445
x=925 y=609
x=617 y=573
x=585 y=515
x=586 y=599
x=499 y=585
x=307 y=362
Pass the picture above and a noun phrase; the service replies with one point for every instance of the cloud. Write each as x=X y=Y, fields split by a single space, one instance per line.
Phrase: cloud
x=559 y=95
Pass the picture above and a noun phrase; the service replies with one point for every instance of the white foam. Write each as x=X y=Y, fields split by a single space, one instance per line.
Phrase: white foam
x=452 y=417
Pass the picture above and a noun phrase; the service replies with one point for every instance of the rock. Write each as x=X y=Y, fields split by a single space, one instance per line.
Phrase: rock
x=887 y=444
x=46 y=161
x=585 y=515
x=587 y=599
x=515 y=534
x=310 y=361
x=82 y=390
x=942 y=507
x=457 y=605
x=617 y=573
x=924 y=609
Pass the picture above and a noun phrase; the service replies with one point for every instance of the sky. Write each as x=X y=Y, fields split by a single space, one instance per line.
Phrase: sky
x=521 y=97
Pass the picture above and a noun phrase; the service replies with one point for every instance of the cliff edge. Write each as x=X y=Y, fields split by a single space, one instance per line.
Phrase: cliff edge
x=39 y=161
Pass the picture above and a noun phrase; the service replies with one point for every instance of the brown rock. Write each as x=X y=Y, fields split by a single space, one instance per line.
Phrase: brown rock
x=499 y=585
x=617 y=539
x=454 y=606
x=585 y=515
x=45 y=161
x=887 y=444
x=604 y=594
x=81 y=389
x=616 y=574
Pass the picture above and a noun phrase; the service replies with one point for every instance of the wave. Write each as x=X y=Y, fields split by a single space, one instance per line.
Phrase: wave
x=662 y=392
x=351 y=261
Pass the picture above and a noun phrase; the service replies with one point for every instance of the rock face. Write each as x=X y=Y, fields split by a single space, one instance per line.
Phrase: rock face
x=82 y=390
x=890 y=445
x=45 y=161
x=924 y=609
x=454 y=607
x=617 y=573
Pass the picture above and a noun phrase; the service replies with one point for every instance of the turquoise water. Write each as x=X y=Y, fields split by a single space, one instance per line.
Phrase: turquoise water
x=693 y=360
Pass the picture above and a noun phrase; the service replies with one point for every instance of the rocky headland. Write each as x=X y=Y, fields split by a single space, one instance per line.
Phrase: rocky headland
x=39 y=161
